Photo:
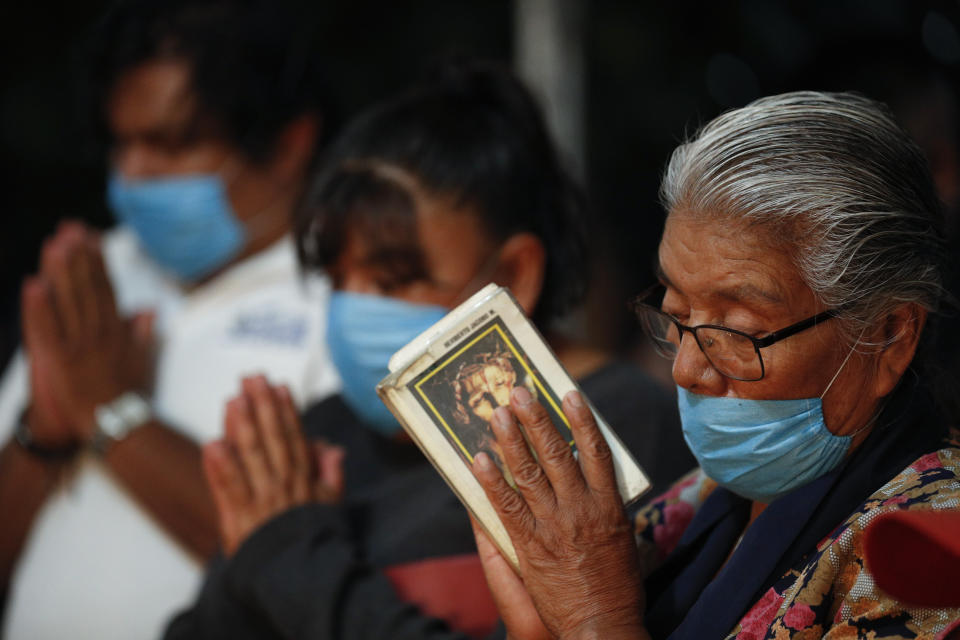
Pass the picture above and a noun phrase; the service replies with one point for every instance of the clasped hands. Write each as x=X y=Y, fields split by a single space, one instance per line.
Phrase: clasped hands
x=578 y=563
x=264 y=464
x=579 y=570
x=82 y=353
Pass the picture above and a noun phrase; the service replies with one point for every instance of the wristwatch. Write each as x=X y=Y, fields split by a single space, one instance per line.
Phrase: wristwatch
x=114 y=420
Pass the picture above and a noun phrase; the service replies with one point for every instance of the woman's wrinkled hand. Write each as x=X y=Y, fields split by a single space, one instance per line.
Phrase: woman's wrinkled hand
x=264 y=464
x=578 y=559
x=511 y=597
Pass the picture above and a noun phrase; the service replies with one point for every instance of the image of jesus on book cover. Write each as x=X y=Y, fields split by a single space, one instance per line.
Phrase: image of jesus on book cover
x=464 y=387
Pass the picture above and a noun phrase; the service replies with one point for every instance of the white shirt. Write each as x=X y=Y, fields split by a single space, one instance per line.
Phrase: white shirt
x=96 y=565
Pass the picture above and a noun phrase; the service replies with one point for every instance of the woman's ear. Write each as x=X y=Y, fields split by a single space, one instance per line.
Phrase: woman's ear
x=521 y=268
x=898 y=337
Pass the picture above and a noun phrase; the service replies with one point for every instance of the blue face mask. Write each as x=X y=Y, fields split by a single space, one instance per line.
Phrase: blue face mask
x=185 y=223
x=760 y=449
x=363 y=331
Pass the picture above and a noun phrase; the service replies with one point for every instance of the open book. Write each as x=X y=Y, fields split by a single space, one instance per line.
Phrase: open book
x=444 y=386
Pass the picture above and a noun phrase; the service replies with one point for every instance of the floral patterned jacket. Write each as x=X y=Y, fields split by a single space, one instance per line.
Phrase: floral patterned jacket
x=831 y=593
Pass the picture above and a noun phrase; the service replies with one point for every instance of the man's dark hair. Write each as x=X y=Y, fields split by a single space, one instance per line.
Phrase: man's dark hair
x=254 y=65
x=472 y=132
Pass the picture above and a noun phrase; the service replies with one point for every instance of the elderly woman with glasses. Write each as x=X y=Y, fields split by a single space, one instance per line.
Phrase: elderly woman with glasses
x=801 y=269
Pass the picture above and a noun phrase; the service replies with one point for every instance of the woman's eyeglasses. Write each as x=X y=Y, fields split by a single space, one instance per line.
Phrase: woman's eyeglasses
x=733 y=353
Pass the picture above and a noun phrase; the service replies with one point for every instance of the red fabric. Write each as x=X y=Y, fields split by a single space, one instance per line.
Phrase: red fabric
x=915 y=556
x=950 y=633
x=452 y=589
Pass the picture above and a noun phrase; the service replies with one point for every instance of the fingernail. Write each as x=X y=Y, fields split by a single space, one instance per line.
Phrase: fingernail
x=521 y=396
x=575 y=399
x=214 y=449
x=243 y=403
x=482 y=461
x=235 y=405
x=501 y=417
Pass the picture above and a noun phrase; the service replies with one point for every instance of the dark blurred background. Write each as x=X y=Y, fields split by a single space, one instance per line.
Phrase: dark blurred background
x=651 y=72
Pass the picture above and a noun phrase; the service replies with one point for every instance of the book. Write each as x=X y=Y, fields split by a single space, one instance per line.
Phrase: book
x=445 y=384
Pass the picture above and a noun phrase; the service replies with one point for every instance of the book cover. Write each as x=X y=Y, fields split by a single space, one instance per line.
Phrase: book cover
x=444 y=386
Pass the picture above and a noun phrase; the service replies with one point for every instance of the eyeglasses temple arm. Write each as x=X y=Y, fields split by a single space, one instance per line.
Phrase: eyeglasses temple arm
x=803 y=325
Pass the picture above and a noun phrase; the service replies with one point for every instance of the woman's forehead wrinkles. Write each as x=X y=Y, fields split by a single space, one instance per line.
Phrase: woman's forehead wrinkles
x=749 y=293
x=736 y=265
x=739 y=290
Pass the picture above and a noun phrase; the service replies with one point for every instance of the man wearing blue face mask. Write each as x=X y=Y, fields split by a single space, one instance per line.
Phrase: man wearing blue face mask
x=213 y=110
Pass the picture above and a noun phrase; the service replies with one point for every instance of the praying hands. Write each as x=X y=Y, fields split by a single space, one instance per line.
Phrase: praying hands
x=264 y=465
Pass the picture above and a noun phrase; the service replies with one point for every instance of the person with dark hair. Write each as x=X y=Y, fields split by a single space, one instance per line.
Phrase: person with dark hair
x=419 y=203
x=214 y=111
x=802 y=263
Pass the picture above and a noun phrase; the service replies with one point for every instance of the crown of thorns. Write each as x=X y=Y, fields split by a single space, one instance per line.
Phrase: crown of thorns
x=479 y=362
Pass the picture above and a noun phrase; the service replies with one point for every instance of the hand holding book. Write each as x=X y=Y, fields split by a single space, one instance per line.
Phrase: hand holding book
x=560 y=502
x=446 y=386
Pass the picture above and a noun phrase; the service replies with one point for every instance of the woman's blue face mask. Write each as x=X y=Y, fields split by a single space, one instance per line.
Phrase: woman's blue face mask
x=363 y=331
x=761 y=449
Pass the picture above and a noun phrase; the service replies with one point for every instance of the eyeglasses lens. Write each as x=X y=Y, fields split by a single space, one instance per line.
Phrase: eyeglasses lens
x=731 y=353
x=661 y=329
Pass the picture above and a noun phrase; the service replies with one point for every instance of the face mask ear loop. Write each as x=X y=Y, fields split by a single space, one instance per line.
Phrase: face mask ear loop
x=836 y=375
x=842 y=365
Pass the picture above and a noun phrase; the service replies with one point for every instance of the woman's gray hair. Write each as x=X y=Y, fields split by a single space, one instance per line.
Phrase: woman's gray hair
x=838 y=182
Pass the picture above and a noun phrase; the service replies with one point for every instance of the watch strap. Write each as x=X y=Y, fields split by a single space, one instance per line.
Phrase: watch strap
x=24 y=438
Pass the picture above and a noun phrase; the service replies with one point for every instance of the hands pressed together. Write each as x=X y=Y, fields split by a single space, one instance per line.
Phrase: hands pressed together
x=264 y=464
x=579 y=571
x=82 y=352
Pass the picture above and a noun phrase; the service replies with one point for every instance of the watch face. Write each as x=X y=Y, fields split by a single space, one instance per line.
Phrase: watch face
x=116 y=419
